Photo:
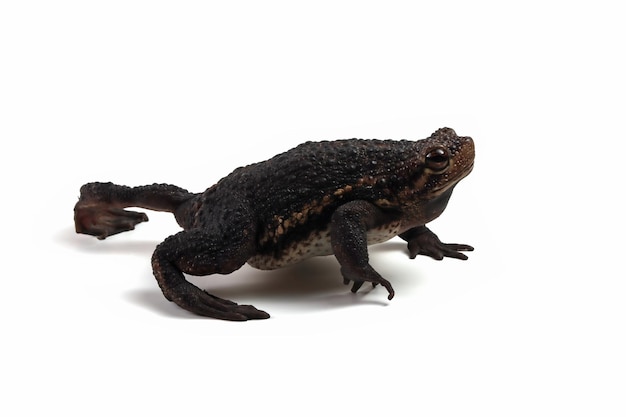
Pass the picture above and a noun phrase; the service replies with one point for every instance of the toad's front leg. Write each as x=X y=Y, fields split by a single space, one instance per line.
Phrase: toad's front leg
x=348 y=236
x=421 y=241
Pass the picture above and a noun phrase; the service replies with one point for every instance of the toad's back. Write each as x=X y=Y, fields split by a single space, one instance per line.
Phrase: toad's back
x=303 y=175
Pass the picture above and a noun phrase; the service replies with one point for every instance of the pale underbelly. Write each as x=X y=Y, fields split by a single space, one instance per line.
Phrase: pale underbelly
x=317 y=244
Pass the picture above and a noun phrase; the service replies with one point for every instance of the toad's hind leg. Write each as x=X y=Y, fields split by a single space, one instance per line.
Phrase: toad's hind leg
x=100 y=209
x=200 y=252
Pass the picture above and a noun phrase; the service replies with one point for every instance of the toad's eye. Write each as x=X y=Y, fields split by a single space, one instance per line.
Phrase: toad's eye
x=437 y=160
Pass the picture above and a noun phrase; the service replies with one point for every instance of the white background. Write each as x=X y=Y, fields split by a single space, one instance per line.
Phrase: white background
x=137 y=92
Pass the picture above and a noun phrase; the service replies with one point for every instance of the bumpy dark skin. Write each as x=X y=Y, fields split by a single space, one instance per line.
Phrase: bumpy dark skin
x=319 y=198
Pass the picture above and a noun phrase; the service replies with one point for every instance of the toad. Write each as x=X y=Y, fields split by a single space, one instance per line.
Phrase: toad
x=319 y=198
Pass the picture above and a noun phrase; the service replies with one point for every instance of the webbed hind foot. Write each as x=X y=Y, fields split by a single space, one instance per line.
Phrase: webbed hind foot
x=100 y=210
x=102 y=221
x=200 y=302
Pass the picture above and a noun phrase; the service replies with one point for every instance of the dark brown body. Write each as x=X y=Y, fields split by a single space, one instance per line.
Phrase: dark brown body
x=319 y=198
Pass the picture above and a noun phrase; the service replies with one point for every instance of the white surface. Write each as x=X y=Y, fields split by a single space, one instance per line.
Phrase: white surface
x=141 y=92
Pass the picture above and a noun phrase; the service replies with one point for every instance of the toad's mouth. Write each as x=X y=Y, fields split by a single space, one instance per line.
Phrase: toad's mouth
x=466 y=171
x=455 y=180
